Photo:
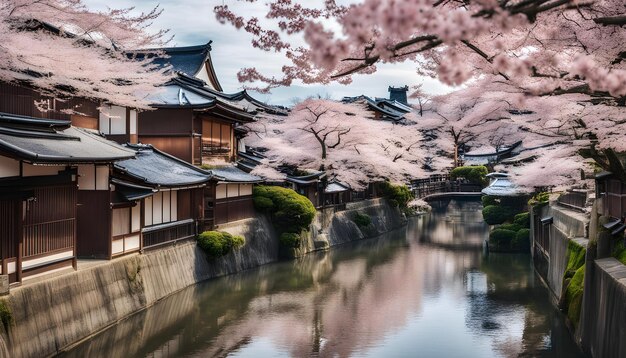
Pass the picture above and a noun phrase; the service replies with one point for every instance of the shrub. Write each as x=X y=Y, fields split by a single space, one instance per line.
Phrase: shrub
x=362 y=220
x=263 y=204
x=501 y=238
x=475 y=174
x=489 y=200
x=521 y=241
x=217 y=243
x=397 y=195
x=290 y=239
x=512 y=227
x=494 y=214
x=539 y=199
x=522 y=219
x=289 y=211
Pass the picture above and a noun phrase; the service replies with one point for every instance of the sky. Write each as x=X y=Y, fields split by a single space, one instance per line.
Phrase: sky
x=192 y=22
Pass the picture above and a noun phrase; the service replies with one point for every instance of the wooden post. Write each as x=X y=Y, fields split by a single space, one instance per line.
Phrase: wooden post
x=22 y=209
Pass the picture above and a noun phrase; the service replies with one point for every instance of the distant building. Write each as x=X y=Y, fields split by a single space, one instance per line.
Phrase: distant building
x=399 y=94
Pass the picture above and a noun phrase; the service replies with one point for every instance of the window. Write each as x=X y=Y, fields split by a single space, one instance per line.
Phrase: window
x=161 y=208
x=125 y=221
x=121 y=222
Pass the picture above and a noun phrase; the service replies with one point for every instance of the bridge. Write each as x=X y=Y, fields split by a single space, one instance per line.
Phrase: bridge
x=442 y=186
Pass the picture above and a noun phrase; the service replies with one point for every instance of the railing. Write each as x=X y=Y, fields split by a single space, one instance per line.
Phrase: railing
x=48 y=236
x=168 y=233
x=574 y=199
x=336 y=207
x=442 y=183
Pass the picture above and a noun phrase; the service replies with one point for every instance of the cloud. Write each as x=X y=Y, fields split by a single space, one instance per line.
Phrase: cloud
x=193 y=22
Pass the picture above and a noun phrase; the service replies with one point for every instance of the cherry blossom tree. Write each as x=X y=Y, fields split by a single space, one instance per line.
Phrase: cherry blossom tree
x=561 y=65
x=574 y=46
x=342 y=139
x=61 y=48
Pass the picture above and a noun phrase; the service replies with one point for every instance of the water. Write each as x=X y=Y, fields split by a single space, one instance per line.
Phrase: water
x=424 y=291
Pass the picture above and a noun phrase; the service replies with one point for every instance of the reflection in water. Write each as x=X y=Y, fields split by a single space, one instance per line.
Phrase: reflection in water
x=454 y=223
x=390 y=296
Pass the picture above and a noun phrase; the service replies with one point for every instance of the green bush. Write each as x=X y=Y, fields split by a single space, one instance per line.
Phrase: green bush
x=217 y=243
x=512 y=227
x=539 y=199
x=494 y=214
x=362 y=220
x=489 y=200
x=290 y=239
x=501 y=238
x=263 y=204
x=397 y=195
x=289 y=211
x=475 y=174
x=521 y=242
x=522 y=219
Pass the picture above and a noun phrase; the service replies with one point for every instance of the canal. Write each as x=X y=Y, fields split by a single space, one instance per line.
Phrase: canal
x=427 y=290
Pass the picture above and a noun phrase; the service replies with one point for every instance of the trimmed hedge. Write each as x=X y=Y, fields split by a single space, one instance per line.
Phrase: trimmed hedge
x=495 y=214
x=362 y=220
x=398 y=195
x=289 y=211
x=217 y=243
x=489 y=200
x=522 y=219
x=501 y=237
x=512 y=227
x=475 y=174
x=290 y=239
x=521 y=242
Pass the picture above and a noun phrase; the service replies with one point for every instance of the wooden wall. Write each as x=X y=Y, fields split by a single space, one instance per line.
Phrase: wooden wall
x=94 y=224
x=180 y=147
x=50 y=222
x=20 y=100
x=9 y=221
x=233 y=209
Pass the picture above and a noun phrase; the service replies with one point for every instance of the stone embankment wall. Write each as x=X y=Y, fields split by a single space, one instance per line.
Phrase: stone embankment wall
x=603 y=323
x=601 y=330
x=567 y=225
x=332 y=228
x=53 y=315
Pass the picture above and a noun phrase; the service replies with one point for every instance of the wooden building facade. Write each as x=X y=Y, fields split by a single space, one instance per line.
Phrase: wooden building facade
x=40 y=191
x=228 y=196
x=158 y=199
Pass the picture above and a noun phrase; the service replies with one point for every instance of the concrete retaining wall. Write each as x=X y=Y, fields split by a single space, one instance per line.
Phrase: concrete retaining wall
x=54 y=314
x=605 y=313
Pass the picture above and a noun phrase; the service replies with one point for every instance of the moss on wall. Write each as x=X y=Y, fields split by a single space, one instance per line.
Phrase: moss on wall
x=573 y=279
x=5 y=315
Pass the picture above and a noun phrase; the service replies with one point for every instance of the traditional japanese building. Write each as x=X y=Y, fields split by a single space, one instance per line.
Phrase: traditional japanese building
x=156 y=199
x=191 y=124
x=228 y=196
x=398 y=94
x=381 y=109
x=307 y=183
x=50 y=175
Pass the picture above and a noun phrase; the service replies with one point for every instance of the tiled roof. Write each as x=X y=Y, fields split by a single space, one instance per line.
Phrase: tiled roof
x=155 y=168
x=232 y=174
x=53 y=141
